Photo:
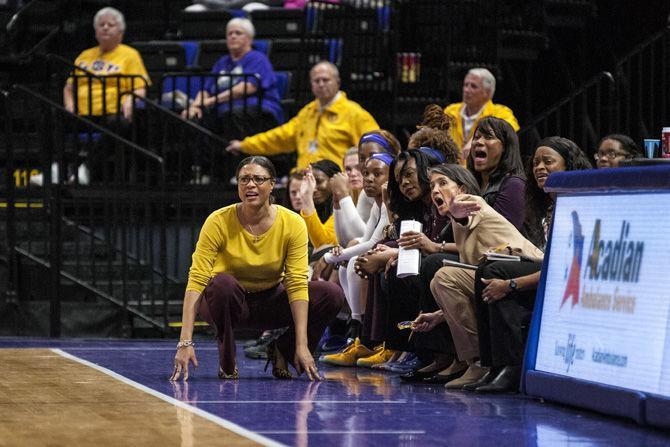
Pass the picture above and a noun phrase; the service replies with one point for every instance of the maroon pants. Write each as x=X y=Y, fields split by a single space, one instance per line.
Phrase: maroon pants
x=225 y=305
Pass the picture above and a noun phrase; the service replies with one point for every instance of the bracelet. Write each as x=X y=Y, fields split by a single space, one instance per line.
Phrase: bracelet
x=185 y=344
x=443 y=246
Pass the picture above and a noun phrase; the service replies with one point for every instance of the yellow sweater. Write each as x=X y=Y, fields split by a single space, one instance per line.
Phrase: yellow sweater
x=123 y=60
x=257 y=262
x=490 y=109
x=335 y=130
x=320 y=233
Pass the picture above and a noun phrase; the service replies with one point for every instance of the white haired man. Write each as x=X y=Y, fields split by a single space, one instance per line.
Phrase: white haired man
x=479 y=86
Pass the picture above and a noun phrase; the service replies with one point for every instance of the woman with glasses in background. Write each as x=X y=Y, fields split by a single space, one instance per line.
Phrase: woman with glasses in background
x=614 y=148
x=249 y=269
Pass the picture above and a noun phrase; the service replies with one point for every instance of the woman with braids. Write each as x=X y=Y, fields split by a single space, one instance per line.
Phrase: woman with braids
x=495 y=161
x=433 y=132
x=250 y=269
x=504 y=292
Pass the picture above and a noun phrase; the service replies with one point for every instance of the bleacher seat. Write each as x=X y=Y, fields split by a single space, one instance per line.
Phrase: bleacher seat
x=204 y=24
x=160 y=56
x=278 y=22
x=298 y=54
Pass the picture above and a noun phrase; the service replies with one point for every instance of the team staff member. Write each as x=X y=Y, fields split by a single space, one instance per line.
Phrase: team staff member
x=250 y=269
x=323 y=130
x=479 y=86
x=109 y=58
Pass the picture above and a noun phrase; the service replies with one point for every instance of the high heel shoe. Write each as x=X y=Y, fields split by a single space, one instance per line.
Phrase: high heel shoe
x=279 y=366
x=234 y=376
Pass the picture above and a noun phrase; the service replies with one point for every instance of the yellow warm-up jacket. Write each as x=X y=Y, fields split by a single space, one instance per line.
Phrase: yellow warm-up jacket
x=334 y=130
x=490 y=109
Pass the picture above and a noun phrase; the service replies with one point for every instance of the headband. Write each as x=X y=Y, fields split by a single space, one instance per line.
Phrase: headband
x=559 y=147
x=376 y=138
x=434 y=153
x=384 y=157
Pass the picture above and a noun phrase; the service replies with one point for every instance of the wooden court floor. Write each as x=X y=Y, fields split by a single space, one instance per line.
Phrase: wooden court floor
x=49 y=400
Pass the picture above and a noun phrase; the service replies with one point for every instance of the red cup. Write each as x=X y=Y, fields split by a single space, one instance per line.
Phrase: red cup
x=665 y=142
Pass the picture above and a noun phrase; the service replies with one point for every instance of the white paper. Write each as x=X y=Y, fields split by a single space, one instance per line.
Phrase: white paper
x=409 y=260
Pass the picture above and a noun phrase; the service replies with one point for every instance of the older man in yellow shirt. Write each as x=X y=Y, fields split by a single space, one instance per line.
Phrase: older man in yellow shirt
x=479 y=86
x=322 y=130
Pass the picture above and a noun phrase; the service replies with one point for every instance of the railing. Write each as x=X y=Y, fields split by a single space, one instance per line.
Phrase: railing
x=193 y=153
x=632 y=99
x=194 y=148
x=108 y=236
x=643 y=79
x=584 y=116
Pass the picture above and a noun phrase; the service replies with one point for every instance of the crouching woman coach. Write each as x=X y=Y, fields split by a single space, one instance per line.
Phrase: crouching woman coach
x=249 y=269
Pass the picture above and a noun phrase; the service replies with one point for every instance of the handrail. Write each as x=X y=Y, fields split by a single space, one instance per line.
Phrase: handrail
x=95 y=126
x=90 y=288
x=176 y=116
x=154 y=104
x=575 y=93
x=642 y=46
x=11 y=25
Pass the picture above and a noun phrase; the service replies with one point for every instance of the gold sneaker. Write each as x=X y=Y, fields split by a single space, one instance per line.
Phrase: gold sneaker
x=348 y=356
x=381 y=355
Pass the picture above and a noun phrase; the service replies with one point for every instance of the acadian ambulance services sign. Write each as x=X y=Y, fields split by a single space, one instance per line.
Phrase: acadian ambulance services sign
x=607 y=296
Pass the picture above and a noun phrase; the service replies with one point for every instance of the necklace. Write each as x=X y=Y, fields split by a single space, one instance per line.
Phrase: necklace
x=249 y=227
x=252 y=232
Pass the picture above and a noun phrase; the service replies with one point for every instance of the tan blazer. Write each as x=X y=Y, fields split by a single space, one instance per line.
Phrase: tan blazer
x=487 y=229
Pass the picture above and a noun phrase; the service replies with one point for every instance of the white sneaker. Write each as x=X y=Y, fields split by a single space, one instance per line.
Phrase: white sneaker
x=37 y=179
x=83 y=174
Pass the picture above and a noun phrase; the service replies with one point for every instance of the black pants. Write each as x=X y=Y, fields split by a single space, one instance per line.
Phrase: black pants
x=502 y=325
x=438 y=340
x=405 y=298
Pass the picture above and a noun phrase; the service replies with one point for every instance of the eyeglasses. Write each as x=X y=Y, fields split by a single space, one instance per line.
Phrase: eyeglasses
x=257 y=179
x=609 y=155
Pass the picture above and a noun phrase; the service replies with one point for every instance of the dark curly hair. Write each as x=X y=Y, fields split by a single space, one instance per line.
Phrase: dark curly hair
x=538 y=201
x=399 y=205
x=434 y=133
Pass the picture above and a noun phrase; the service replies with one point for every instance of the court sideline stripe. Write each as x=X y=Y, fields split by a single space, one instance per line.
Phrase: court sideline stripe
x=228 y=425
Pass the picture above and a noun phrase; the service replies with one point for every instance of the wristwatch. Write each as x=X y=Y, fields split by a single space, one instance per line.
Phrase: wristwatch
x=513 y=285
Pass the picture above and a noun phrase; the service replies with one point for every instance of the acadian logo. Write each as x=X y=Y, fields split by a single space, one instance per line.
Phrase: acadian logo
x=608 y=261
x=572 y=287
x=570 y=352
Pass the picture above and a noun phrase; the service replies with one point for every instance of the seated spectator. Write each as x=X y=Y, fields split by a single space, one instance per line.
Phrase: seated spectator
x=479 y=86
x=317 y=203
x=322 y=130
x=495 y=161
x=353 y=173
x=351 y=216
x=110 y=58
x=477 y=228
x=376 y=175
x=505 y=291
x=232 y=100
x=614 y=148
x=391 y=299
x=293 y=201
